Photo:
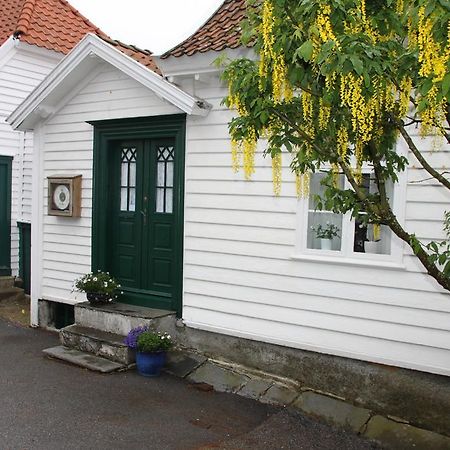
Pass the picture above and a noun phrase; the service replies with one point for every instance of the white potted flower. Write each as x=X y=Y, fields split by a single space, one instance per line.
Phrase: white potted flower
x=326 y=234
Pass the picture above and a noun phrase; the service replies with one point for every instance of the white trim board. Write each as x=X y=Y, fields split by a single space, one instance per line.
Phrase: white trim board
x=41 y=102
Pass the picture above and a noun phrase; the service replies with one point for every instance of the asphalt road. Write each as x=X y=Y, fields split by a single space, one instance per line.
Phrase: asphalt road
x=45 y=404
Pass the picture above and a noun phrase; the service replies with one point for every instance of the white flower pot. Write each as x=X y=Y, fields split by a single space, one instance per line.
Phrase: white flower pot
x=372 y=247
x=325 y=244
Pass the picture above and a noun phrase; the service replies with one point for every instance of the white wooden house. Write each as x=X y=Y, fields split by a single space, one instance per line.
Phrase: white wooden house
x=162 y=210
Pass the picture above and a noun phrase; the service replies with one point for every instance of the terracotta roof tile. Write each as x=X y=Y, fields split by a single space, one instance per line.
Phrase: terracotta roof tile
x=222 y=30
x=56 y=25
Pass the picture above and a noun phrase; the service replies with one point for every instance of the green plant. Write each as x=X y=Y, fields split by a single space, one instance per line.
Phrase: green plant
x=150 y=341
x=97 y=282
x=329 y=231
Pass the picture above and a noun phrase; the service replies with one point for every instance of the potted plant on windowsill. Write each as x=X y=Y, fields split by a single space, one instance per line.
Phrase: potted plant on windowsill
x=326 y=234
x=151 y=350
x=100 y=287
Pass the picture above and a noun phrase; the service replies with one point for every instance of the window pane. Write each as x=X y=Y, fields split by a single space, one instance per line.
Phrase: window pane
x=319 y=222
x=124 y=174
x=169 y=181
x=124 y=199
x=169 y=200
x=132 y=199
x=160 y=200
x=132 y=174
x=161 y=175
x=372 y=239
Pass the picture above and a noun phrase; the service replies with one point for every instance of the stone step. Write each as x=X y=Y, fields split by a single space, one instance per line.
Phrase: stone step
x=82 y=359
x=97 y=342
x=11 y=293
x=120 y=318
x=6 y=282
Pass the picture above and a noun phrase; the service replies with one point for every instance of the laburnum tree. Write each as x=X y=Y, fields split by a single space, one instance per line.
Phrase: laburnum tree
x=336 y=84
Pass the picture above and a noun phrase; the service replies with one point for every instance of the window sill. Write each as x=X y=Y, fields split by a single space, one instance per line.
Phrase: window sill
x=382 y=264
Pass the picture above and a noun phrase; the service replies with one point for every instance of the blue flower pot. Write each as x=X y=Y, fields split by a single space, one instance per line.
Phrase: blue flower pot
x=150 y=364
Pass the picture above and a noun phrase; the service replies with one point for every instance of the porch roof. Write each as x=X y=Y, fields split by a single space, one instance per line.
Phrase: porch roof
x=51 y=94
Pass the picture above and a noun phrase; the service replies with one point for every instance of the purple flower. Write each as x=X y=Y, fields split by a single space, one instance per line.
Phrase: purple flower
x=132 y=336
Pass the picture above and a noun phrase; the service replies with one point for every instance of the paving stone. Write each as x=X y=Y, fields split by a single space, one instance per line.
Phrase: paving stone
x=181 y=363
x=255 y=388
x=279 y=394
x=400 y=436
x=82 y=359
x=332 y=410
x=223 y=379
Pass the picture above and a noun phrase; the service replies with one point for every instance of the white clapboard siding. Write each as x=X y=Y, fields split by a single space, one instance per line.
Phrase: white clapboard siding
x=241 y=277
x=242 y=274
x=22 y=72
x=68 y=144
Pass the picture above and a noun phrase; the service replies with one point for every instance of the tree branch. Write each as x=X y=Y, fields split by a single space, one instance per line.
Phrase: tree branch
x=416 y=152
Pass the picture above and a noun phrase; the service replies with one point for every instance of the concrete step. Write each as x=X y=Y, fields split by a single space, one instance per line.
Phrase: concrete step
x=82 y=359
x=6 y=282
x=11 y=293
x=97 y=342
x=119 y=318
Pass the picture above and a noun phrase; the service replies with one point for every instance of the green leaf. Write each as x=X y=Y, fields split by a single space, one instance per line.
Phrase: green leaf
x=446 y=84
x=306 y=50
x=357 y=64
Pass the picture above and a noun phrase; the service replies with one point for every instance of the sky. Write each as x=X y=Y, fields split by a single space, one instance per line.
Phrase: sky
x=150 y=24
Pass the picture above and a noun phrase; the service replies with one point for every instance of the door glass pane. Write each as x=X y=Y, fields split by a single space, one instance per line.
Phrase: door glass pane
x=160 y=200
x=132 y=199
x=128 y=179
x=169 y=182
x=132 y=169
x=164 y=179
x=169 y=200
x=161 y=174
x=124 y=199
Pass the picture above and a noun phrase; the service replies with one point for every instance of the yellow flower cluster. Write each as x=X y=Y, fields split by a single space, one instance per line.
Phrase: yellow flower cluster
x=302 y=181
x=342 y=142
x=324 y=115
x=433 y=116
x=271 y=61
x=276 y=173
x=323 y=24
x=404 y=95
x=362 y=111
x=249 y=151
x=267 y=24
x=432 y=57
x=236 y=151
x=376 y=231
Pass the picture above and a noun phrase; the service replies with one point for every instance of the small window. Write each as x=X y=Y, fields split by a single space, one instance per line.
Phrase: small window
x=340 y=234
x=164 y=179
x=128 y=180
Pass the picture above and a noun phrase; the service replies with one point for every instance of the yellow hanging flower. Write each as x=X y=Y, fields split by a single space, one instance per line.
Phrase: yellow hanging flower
x=249 y=150
x=236 y=151
x=276 y=173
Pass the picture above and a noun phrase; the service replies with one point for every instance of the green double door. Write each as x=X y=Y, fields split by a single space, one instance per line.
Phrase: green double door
x=5 y=215
x=142 y=220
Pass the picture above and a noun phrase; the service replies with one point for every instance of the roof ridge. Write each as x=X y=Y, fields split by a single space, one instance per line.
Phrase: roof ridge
x=128 y=46
x=167 y=52
x=24 y=18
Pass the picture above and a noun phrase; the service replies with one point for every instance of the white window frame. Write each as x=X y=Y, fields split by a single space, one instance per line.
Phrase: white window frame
x=346 y=255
